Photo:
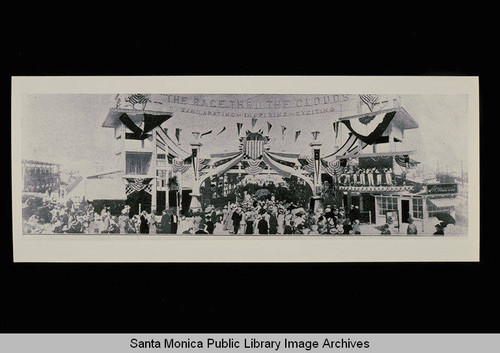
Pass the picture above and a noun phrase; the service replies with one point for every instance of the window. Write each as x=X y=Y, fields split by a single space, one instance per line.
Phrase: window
x=418 y=208
x=386 y=203
x=137 y=163
x=161 y=181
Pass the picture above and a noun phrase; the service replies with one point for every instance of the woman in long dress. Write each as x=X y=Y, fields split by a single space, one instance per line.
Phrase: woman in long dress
x=388 y=176
x=152 y=223
x=281 y=222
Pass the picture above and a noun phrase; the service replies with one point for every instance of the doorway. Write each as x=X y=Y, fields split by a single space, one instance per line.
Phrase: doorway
x=405 y=210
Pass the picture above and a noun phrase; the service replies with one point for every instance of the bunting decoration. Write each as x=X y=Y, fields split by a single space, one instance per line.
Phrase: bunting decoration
x=239 y=126
x=160 y=143
x=178 y=135
x=378 y=127
x=269 y=126
x=220 y=132
x=150 y=122
x=138 y=184
x=405 y=161
x=254 y=167
x=289 y=162
x=178 y=166
x=333 y=168
x=206 y=133
x=348 y=145
x=297 y=133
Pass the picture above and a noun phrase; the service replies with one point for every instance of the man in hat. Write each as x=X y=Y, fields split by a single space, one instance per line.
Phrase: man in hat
x=144 y=227
x=209 y=224
x=174 y=221
x=385 y=229
x=165 y=222
x=236 y=218
x=412 y=228
x=439 y=229
x=123 y=221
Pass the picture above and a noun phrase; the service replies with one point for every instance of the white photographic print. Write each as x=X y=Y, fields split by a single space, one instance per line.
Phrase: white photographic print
x=245 y=169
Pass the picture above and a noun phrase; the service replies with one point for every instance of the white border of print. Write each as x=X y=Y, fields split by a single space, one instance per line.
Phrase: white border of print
x=89 y=248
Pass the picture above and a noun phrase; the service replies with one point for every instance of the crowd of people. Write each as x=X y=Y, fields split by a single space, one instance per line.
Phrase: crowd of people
x=268 y=216
x=355 y=176
x=71 y=217
x=251 y=216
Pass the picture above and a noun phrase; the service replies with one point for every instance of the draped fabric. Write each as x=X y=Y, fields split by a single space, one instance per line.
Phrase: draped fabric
x=405 y=161
x=178 y=166
x=377 y=131
x=174 y=149
x=138 y=184
x=282 y=161
x=333 y=167
x=253 y=167
x=348 y=144
x=230 y=162
x=281 y=169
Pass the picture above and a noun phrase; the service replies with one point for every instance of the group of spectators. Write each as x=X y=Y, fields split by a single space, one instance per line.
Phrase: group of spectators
x=356 y=176
x=248 y=217
x=257 y=216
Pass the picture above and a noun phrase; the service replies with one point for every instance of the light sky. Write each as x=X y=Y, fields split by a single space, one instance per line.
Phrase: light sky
x=66 y=129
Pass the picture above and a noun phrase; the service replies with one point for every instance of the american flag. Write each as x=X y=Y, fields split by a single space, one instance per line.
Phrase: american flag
x=254 y=148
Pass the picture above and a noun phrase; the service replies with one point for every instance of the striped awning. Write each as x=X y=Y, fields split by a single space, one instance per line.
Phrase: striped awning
x=443 y=203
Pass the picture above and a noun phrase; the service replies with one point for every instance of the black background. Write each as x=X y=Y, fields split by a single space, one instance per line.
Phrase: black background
x=324 y=297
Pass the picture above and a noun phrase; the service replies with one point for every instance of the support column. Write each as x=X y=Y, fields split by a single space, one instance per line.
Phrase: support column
x=155 y=171
x=316 y=200
x=195 y=150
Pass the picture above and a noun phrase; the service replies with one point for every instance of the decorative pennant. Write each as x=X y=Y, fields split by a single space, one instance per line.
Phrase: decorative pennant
x=269 y=126
x=336 y=129
x=206 y=133
x=254 y=121
x=317 y=165
x=283 y=128
x=297 y=133
x=178 y=134
x=195 y=162
x=239 y=126
x=220 y=132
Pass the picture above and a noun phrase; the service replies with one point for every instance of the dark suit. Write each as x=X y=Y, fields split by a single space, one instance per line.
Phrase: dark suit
x=144 y=228
x=165 y=224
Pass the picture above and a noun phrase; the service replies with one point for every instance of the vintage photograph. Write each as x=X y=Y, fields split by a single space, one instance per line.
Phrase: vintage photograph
x=171 y=163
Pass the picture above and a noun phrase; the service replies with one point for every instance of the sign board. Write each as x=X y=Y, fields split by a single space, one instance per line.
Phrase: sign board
x=442 y=189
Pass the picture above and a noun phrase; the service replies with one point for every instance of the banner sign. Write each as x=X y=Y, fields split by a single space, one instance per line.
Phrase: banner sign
x=252 y=106
x=442 y=188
